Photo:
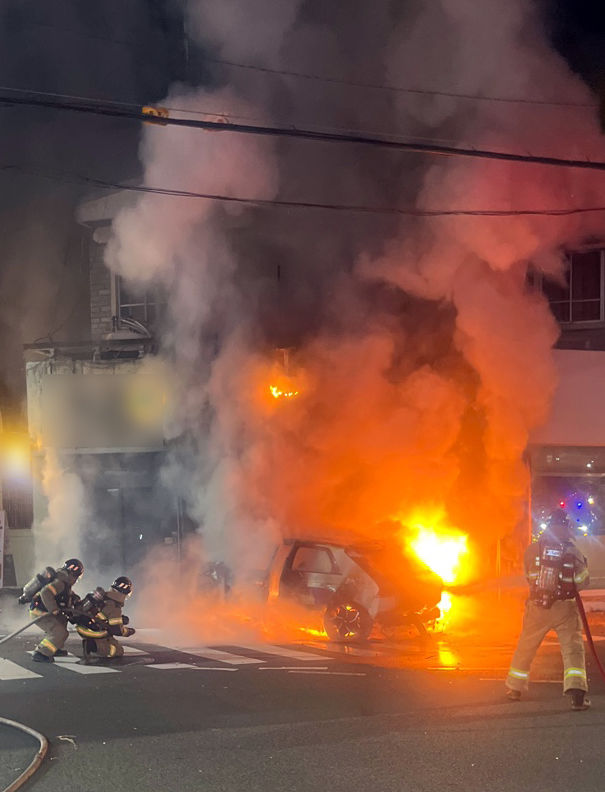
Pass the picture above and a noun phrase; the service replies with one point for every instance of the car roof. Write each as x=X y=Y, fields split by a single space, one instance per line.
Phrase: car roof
x=368 y=545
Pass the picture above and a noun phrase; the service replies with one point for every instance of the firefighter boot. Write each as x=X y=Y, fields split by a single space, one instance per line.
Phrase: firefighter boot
x=38 y=657
x=579 y=701
x=513 y=695
x=88 y=647
x=61 y=653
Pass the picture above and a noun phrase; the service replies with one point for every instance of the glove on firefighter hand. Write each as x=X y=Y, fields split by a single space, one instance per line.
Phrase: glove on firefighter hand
x=128 y=631
x=125 y=620
x=22 y=600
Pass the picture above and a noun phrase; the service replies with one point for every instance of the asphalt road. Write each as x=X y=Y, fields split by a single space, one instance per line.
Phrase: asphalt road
x=301 y=717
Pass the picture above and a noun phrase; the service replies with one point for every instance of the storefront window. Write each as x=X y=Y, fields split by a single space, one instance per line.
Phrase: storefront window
x=582 y=497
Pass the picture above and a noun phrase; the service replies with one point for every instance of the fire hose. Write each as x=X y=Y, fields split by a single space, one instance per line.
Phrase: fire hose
x=36 y=761
x=588 y=635
x=22 y=629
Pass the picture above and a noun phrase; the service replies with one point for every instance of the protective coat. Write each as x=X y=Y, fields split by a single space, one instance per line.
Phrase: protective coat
x=110 y=616
x=563 y=617
x=55 y=596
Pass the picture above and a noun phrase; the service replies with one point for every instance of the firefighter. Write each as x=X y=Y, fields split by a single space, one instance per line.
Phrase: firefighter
x=554 y=569
x=99 y=636
x=54 y=599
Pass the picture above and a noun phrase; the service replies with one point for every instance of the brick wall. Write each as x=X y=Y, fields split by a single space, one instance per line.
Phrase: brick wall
x=100 y=293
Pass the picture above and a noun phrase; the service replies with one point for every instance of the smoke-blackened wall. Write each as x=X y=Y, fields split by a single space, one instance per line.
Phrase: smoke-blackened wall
x=418 y=359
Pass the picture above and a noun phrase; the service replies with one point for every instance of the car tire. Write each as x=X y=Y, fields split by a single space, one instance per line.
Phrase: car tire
x=347 y=621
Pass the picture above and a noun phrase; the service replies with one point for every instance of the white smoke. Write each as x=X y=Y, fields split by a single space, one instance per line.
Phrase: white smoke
x=425 y=360
x=58 y=535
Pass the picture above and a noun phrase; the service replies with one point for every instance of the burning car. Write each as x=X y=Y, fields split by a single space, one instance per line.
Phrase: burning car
x=356 y=586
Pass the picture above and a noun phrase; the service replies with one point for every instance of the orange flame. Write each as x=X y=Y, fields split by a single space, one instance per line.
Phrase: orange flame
x=442 y=548
x=277 y=393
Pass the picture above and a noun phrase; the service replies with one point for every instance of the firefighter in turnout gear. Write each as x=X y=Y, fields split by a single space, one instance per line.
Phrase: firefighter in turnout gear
x=555 y=569
x=55 y=598
x=106 y=620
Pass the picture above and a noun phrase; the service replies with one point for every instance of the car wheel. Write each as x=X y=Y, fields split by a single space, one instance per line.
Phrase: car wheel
x=347 y=621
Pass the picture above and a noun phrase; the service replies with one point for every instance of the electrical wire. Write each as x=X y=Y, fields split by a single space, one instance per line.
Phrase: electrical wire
x=276 y=202
x=222 y=114
x=303 y=134
x=398 y=88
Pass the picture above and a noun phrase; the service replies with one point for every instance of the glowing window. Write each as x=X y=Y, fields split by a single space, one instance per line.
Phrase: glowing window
x=313 y=559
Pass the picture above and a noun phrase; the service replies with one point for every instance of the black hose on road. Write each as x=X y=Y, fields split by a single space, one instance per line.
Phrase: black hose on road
x=589 y=634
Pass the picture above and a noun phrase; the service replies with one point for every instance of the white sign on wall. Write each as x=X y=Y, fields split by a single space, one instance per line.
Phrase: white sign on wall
x=576 y=417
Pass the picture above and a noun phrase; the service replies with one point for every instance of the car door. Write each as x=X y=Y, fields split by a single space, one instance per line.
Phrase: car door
x=311 y=573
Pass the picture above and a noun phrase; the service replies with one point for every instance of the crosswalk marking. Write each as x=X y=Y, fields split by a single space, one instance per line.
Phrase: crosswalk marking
x=132 y=650
x=347 y=649
x=327 y=673
x=295 y=654
x=176 y=666
x=229 y=658
x=10 y=670
x=293 y=668
x=72 y=663
x=217 y=654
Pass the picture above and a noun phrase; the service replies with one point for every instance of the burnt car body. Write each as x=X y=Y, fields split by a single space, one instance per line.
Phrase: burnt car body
x=355 y=586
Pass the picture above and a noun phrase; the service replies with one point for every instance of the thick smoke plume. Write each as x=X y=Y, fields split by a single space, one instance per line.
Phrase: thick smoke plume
x=58 y=534
x=417 y=357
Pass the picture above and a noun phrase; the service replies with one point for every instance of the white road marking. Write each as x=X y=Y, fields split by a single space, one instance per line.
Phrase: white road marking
x=282 y=652
x=293 y=668
x=10 y=670
x=467 y=669
x=449 y=668
x=329 y=673
x=218 y=654
x=177 y=666
x=354 y=651
x=72 y=663
x=132 y=650
x=531 y=681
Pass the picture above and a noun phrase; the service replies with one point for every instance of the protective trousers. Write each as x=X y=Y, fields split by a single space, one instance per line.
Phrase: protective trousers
x=55 y=633
x=563 y=617
x=108 y=647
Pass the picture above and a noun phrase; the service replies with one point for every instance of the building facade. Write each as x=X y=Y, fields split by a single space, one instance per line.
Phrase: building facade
x=567 y=454
x=96 y=410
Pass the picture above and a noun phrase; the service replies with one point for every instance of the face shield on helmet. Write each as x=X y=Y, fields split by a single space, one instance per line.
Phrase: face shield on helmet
x=73 y=567
x=123 y=585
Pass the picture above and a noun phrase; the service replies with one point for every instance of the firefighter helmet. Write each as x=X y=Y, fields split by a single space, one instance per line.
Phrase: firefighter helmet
x=123 y=585
x=560 y=525
x=74 y=567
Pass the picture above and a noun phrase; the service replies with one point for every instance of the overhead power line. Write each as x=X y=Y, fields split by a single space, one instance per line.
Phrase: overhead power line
x=286 y=204
x=300 y=133
x=400 y=89
x=223 y=113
